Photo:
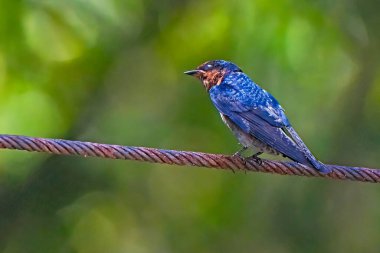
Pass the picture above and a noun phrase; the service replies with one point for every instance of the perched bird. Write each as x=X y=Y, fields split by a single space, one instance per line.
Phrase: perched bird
x=254 y=116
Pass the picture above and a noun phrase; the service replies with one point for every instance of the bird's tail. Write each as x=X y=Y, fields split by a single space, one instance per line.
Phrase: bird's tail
x=309 y=156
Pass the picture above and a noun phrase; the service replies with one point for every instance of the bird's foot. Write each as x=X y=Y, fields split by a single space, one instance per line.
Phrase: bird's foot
x=238 y=153
x=256 y=158
x=240 y=156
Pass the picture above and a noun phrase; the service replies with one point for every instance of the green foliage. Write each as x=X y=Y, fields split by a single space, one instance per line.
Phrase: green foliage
x=111 y=71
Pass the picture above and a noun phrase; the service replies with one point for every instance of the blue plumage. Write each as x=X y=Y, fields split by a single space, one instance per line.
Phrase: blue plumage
x=254 y=115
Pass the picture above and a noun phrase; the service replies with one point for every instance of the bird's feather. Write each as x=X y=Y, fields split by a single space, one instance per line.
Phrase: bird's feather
x=258 y=113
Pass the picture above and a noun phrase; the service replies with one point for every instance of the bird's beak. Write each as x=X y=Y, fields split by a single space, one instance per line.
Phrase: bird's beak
x=196 y=73
x=192 y=72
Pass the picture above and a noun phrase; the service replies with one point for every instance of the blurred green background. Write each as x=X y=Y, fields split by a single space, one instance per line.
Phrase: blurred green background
x=112 y=71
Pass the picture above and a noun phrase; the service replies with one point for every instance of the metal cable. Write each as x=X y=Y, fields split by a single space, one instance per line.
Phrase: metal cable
x=189 y=158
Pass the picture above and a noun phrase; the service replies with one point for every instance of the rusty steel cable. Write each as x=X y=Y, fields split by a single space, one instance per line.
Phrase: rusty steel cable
x=182 y=158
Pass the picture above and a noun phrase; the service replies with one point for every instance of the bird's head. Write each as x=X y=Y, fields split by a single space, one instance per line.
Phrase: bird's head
x=211 y=73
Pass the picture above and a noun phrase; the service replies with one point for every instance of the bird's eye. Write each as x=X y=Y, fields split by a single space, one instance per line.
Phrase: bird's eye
x=208 y=66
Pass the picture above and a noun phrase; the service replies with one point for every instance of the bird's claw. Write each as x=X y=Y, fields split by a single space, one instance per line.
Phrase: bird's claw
x=238 y=155
x=256 y=158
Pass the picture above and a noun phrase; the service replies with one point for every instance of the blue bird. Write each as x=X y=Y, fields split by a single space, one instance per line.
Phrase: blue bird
x=254 y=116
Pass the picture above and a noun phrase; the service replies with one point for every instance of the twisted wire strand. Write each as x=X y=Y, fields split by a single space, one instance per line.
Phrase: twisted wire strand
x=182 y=158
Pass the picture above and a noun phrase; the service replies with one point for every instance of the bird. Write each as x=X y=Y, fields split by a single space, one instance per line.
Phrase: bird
x=253 y=115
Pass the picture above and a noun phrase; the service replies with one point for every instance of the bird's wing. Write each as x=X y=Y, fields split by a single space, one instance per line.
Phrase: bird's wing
x=245 y=96
x=263 y=118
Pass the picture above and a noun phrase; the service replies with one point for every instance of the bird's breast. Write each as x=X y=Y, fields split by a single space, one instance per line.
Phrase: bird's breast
x=212 y=78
